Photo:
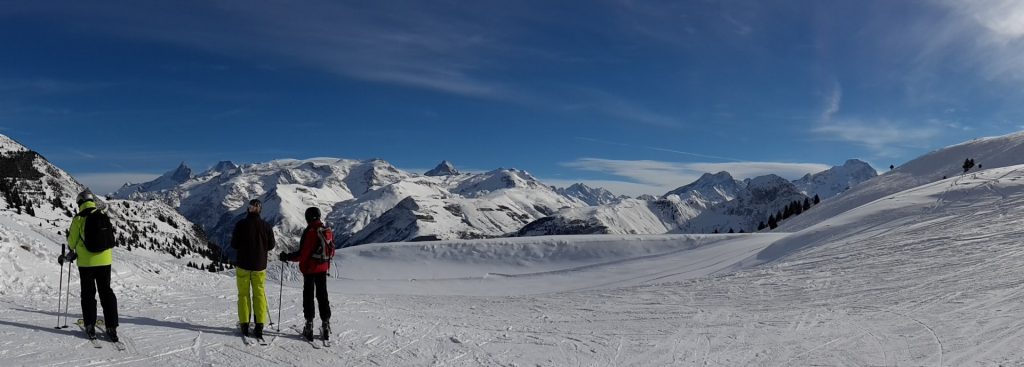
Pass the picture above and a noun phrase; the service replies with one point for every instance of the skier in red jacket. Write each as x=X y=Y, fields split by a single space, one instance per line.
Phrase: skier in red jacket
x=316 y=248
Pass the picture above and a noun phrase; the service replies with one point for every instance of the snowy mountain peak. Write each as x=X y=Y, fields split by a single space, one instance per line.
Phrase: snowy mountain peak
x=445 y=168
x=590 y=195
x=168 y=180
x=498 y=179
x=710 y=189
x=8 y=145
x=833 y=181
x=180 y=174
x=223 y=167
x=765 y=183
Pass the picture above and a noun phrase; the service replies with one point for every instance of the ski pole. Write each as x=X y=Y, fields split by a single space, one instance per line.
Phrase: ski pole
x=266 y=302
x=280 y=294
x=60 y=287
x=67 y=301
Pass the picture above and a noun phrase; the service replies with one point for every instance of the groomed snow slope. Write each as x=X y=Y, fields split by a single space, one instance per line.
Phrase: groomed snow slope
x=924 y=277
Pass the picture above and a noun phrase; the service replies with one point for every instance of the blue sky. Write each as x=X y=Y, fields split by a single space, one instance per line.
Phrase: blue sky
x=636 y=96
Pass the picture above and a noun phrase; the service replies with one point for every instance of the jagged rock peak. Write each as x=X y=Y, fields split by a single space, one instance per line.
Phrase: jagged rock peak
x=180 y=174
x=445 y=168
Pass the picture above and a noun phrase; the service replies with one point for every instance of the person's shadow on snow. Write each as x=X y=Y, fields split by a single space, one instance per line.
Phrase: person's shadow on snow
x=124 y=320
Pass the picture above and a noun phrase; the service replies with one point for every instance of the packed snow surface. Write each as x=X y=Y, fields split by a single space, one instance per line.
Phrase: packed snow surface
x=922 y=277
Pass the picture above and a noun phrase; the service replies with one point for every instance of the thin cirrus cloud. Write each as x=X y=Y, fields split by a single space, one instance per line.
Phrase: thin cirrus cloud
x=884 y=137
x=659 y=177
x=992 y=31
x=416 y=46
x=431 y=46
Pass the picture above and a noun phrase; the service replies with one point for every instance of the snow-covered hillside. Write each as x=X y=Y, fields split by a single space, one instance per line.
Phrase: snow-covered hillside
x=37 y=192
x=991 y=152
x=922 y=277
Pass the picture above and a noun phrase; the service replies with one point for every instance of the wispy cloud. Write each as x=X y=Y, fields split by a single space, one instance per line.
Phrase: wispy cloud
x=884 y=137
x=48 y=86
x=620 y=109
x=419 y=45
x=986 y=35
x=658 y=149
x=659 y=177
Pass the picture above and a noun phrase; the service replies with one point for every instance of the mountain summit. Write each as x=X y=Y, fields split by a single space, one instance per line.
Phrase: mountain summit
x=445 y=168
x=590 y=195
x=166 y=181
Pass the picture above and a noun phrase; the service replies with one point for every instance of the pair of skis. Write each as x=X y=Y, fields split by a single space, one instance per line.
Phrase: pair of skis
x=101 y=327
x=323 y=343
x=263 y=342
x=249 y=340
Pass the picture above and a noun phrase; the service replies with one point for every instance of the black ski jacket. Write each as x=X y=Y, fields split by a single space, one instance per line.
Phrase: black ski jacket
x=252 y=239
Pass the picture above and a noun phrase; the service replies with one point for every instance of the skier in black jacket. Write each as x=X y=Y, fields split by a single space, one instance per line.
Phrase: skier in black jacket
x=252 y=239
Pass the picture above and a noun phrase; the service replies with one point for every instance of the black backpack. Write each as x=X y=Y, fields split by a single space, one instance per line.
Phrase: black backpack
x=98 y=232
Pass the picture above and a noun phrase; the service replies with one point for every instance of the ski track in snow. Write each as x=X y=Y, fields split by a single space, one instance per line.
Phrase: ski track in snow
x=925 y=281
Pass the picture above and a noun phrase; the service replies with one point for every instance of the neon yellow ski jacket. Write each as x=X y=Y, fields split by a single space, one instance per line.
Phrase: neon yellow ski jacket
x=76 y=242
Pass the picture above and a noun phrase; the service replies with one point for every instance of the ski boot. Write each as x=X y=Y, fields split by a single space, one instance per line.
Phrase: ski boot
x=257 y=332
x=244 y=327
x=307 y=331
x=325 y=330
x=90 y=331
x=112 y=334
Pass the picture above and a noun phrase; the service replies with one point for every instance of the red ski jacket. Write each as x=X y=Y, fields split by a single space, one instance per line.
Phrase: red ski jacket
x=307 y=244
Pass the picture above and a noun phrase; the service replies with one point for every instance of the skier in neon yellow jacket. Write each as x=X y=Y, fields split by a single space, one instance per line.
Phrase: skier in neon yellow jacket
x=94 y=270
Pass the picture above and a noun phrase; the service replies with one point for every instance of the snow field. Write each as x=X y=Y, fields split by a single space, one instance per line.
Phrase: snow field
x=923 y=277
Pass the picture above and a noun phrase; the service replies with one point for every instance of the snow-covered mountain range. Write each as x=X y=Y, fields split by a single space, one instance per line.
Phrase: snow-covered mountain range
x=364 y=201
x=372 y=201
x=715 y=202
x=36 y=192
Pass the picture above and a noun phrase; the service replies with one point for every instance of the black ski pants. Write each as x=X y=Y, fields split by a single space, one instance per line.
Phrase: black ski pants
x=315 y=284
x=98 y=278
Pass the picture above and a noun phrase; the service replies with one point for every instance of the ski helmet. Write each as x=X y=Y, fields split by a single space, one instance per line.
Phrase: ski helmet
x=85 y=196
x=312 y=214
x=255 y=206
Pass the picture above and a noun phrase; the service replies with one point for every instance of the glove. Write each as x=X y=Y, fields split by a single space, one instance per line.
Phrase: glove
x=284 y=256
x=71 y=256
x=60 y=259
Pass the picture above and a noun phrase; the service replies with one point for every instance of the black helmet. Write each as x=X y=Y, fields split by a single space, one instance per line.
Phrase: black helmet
x=312 y=214
x=255 y=206
x=85 y=196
